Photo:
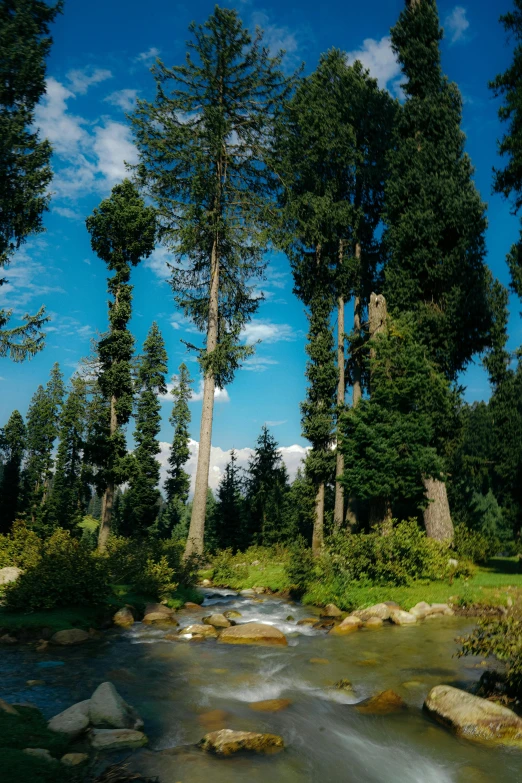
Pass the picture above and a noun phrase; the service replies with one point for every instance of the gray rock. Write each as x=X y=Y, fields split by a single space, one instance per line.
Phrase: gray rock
x=39 y=753
x=70 y=636
x=421 y=610
x=108 y=709
x=226 y=742
x=72 y=721
x=9 y=574
x=74 y=759
x=217 y=620
x=114 y=739
x=382 y=611
x=159 y=613
x=399 y=617
x=474 y=718
x=331 y=610
x=8 y=639
x=123 y=617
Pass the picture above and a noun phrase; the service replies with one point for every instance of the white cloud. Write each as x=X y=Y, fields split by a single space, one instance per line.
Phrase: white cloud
x=220 y=395
x=90 y=157
x=456 y=24
x=148 y=56
x=158 y=260
x=81 y=79
x=66 y=212
x=219 y=458
x=379 y=59
x=257 y=363
x=275 y=423
x=113 y=147
x=124 y=99
x=268 y=332
x=24 y=278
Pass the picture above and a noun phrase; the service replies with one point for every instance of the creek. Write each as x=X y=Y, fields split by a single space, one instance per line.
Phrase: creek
x=184 y=689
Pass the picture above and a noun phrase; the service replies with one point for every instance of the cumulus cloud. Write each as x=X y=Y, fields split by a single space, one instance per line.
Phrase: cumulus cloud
x=456 y=24
x=293 y=457
x=149 y=56
x=258 y=363
x=24 y=279
x=68 y=213
x=268 y=332
x=81 y=79
x=124 y=99
x=379 y=59
x=220 y=395
x=90 y=158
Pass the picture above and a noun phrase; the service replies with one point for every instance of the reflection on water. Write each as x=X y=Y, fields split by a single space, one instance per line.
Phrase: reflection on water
x=183 y=688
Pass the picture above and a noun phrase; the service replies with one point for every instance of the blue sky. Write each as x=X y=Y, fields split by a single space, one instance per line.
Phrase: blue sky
x=99 y=63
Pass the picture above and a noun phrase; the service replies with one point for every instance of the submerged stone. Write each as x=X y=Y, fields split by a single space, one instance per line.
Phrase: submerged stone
x=213 y=720
x=198 y=630
x=70 y=636
x=400 y=617
x=253 y=633
x=331 y=610
x=348 y=625
x=231 y=614
x=114 y=739
x=270 y=705
x=217 y=620
x=382 y=704
x=226 y=742
x=474 y=718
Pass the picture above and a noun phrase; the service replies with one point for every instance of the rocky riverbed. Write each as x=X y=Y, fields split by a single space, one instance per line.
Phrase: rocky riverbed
x=345 y=706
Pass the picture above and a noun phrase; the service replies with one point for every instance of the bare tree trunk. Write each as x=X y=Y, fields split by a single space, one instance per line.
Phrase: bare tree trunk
x=381 y=516
x=318 y=533
x=341 y=392
x=196 y=535
x=380 y=508
x=351 y=507
x=377 y=315
x=437 y=516
x=108 y=496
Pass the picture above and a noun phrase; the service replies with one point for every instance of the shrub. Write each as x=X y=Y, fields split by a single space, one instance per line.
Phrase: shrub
x=227 y=569
x=398 y=559
x=503 y=639
x=21 y=547
x=301 y=567
x=473 y=545
x=67 y=574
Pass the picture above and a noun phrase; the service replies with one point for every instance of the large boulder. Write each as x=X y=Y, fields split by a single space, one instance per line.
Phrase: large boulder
x=123 y=617
x=331 y=610
x=217 y=620
x=72 y=721
x=382 y=704
x=116 y=739
x=382 y=611
x=444 y=609
x=399 y=617
x=373 y=622
x=70 y=636
x=226 y=742
x=252 y=633
x=472 y=717
x=197 y=631
x=421 y=610
x=9 y=574
x=108 y=709
x=159 y=613
x=348 y=625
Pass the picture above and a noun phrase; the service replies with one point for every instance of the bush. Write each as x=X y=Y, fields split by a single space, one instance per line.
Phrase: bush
x=474 y=546
x=66 y=574
x=501 y=638
x=398 y=559
x=21 y=547
x=301 y=567
x=226 y=569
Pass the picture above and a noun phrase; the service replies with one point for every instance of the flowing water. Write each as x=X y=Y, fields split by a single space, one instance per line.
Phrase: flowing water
x=184 y=689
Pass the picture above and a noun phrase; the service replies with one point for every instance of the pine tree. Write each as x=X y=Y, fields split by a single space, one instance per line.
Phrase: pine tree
x=318 y=411
x=143 y=496
x=122 y=233
x=42 y=430
x=266 y=492
x=12 y=450
x=70 y=493
x=435 y=217
x=228 y=520
x=25 y=171
x=177 y=484
x=202 y=148
x=332 y=196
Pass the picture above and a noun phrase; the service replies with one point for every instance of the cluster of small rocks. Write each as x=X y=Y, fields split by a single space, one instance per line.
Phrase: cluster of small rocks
x=375 y=616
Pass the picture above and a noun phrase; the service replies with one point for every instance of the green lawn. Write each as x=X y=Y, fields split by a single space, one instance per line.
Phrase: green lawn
x=491 y=585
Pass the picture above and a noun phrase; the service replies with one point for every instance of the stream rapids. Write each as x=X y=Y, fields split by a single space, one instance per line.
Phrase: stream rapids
x=184 y=689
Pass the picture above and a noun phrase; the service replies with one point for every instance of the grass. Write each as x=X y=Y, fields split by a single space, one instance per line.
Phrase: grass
x=491 y=585
x=28 y=729
x=55 y=619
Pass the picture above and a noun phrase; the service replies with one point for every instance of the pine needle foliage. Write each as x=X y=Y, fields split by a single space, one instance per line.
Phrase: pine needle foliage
x=12 y=450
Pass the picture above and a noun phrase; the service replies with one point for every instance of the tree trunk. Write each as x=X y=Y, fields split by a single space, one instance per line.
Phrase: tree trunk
x=437 y=516
x=341 y=392
x=381 y=516
x=351 y=508
x=318 y=534
x=196 y=534
x=108 y=496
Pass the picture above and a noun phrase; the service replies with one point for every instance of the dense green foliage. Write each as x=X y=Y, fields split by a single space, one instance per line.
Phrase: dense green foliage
x=501 y=638
x=12 y=449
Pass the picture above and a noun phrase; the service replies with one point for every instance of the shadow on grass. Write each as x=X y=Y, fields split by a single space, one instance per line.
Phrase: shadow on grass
x=504 y=565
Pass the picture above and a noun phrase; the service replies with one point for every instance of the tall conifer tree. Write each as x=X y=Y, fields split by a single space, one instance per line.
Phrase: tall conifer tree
x=122 y=233
x=25 y=171
x=202 y=148
x=70 y=494
x=177 y=484
x=228 y=519
x=143 y=496
x=266 y=492
x=435 y=217
x=12 y=450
